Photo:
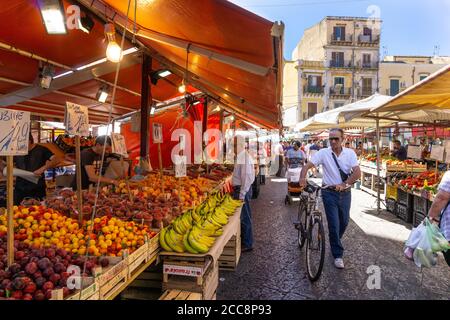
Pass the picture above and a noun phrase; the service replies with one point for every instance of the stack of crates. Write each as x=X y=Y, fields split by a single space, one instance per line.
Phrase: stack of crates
x=421 y=207
x=391 y=198
x=404 y=205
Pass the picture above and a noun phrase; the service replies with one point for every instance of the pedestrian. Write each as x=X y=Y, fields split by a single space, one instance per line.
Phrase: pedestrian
x=279 y=155
x=359 y=149
x=439 y=212
x=242 y=180
x=312 y=151
x=38 y=160
x=295 y=157
x=340 y=171
x=262 y=161
x=399 y=151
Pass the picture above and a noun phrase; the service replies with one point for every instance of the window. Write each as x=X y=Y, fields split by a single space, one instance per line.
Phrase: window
x=367 y=31
x=338 y=104
x=314 y=84
x=339 y=85
x=423 y=76
x=366 y=60
x=366 y=86
x=395 y=87
x=312 y=109
x=337 y=59
x=339 y=34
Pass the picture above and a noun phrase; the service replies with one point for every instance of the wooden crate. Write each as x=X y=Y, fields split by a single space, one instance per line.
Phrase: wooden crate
x=151 y=278
x=176 y=294
x=205 y=283
x=112 y=278
x=153 y=247
x=137 y=258
x=92 y=289
x=231 y=254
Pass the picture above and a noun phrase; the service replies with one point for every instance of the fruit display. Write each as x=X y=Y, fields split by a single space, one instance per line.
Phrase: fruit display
x=42 y=227
x=196 y=230
x=67 y=143
x=216 y=172
x=427 y=180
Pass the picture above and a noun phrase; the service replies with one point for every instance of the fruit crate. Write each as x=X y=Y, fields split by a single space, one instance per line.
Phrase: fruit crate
x=137 y=258
x=418 y=217
x=420 y=204
x=391 y=206
x=404 y=213
x=402 y=197
x=176 y=294
x=199 y=276
x=229 y=258
x=153 y=247
x=112 y=278
x=91 y=290
x=391 y=192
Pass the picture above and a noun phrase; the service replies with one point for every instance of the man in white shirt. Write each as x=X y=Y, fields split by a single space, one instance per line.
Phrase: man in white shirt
x=340 y=171
x=279 y=153
x=242 y=180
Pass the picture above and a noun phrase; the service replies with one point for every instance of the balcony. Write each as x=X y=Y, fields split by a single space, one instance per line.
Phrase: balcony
x=340 y=92
x=311 y=64
x=340 y=64
x=312 y=90
x=365 y=92
x=368 y=40
x=367 y=65
x=346 y=40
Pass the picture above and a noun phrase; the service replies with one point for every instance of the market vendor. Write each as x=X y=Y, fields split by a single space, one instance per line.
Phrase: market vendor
x=88 y=159
x=38 y=160
x=399 y=151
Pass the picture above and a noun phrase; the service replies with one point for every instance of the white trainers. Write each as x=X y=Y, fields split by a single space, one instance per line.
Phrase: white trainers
x=339 y=263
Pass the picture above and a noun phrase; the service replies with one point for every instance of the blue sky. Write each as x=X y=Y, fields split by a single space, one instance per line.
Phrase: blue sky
x=410 y=27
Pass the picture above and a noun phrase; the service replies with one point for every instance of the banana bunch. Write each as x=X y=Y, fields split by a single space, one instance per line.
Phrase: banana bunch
x=195 y=231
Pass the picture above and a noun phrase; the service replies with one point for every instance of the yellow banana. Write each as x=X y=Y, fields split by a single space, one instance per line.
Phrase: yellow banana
x=186 y=244
x=175 y=241
x=162 y=241
x=200 y=247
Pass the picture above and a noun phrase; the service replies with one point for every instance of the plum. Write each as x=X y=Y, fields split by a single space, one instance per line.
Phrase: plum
x=27 y=297
x=48 y=286
x=59 y=267
x=30 y=288
x=40 y=282
x=39 y=295
x=17 y=295
x=48 y=272
x=50 y=253
x=55 y=278
x=44 y=263
x=31 y=268
x=18 y=283
x=104 y=262
x=14 y=268
x=2 y=293
x=19 y=255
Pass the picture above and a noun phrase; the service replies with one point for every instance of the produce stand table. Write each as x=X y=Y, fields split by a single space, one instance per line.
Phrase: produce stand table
x=200 y=272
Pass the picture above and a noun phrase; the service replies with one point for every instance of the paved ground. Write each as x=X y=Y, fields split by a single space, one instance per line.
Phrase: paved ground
x=275 y=269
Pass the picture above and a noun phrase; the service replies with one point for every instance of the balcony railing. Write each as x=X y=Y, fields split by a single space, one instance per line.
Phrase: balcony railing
x=340 y=64
x=313 y=89
x=362 y=39
x=367 y=65
x=366 y=92
x=336 y=91
x=311 y=64
x=342 y=40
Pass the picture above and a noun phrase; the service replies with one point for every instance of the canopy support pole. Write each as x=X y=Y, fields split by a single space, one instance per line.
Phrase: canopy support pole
x=378 y=166
x=146 y=99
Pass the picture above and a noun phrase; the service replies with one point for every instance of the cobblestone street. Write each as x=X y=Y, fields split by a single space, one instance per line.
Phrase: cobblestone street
x=276 y=270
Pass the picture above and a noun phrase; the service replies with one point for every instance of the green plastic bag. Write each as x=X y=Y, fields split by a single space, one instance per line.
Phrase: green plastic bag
x=436 y=238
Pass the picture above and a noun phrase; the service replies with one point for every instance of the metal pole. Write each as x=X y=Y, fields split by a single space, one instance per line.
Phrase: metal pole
x=146 y=100
x=378 y=165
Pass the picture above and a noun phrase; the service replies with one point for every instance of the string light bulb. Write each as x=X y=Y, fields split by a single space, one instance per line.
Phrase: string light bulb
x=113 y=51
x=182 y=88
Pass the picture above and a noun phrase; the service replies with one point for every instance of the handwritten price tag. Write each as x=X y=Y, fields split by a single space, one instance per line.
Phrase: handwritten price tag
x=76 y=119
x=14 y=132
x=414 y=152
x=119 y=146
x=180 y=166
x=437 y=153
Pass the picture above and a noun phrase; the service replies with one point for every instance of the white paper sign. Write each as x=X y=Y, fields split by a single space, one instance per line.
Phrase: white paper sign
x=118 y=144
x=157 y=133
x=414 y=152
x=183 y=270
x=180 y=166
x=14 y=132
x=437 y=153
x=76 y=119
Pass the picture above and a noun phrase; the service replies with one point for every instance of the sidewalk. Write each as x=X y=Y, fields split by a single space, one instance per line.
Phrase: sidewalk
x=276 y=270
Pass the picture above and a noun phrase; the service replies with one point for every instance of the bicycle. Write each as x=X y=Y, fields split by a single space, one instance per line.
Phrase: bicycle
x=311 y=231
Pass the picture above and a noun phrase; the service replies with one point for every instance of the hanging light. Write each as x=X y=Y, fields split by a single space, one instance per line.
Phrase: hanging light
x=232 y=117
x=52 y=12
x=113 y=51
x=182 y=88
x=152 y=110
x=103 y=93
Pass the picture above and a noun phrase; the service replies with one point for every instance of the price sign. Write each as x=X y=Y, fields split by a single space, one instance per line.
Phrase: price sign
x=118 y=144
x=14 y=132
x=437 y=153
x=414 y=152
x=447 y=151
x=157 y=133
x=180 y=166
x=76 y=119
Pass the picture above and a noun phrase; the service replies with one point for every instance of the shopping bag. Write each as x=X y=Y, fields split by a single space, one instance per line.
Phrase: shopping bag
x=438 y=241
x=415 y=236
x=423 y=254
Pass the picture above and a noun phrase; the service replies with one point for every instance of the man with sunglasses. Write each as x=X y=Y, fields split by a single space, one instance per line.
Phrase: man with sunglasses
x=340 y=171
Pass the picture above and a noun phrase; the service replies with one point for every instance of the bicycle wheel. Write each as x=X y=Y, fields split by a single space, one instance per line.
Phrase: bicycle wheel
x=301 y=222
x=315 y=249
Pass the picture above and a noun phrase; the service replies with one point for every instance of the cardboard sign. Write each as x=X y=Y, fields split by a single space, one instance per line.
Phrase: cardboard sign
x=76 y=119
x=118 y=144
x=180 y=166
x=183 y=270
x=14 y=132
x=447 y=151
x=414 y=152
x=437 y=153
x=157 y=133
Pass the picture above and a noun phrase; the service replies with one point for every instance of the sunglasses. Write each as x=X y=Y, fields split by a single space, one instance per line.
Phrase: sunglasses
x=334 y=138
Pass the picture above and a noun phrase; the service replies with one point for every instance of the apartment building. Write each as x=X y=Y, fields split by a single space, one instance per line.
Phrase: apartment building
x=336 y=62
x=400 y=72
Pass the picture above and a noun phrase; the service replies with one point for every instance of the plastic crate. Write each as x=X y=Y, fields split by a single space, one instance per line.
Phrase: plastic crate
x=418 y=217
x=404 y=213
x=402 y=197
x=391 y=192
x=391 y=206
x=420 y=204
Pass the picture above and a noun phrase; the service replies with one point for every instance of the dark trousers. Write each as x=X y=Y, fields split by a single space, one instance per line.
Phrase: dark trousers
x=337 y=210
x=246 y=218
x=280 y=166
x=262 y=174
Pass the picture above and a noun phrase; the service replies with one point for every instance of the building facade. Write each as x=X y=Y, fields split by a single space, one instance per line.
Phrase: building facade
x=336 y=62
x=400 y=72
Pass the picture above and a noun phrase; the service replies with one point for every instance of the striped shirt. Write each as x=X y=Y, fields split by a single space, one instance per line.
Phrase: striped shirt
x=445 y=218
